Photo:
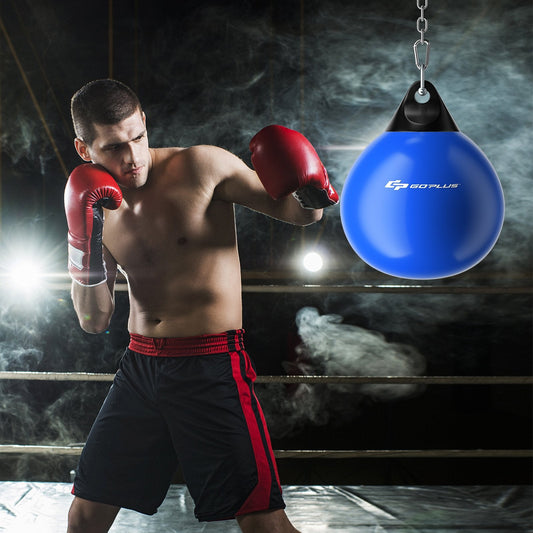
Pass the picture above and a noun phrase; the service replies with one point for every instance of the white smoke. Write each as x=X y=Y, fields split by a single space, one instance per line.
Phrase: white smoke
x=332 y=348
x=344 y=349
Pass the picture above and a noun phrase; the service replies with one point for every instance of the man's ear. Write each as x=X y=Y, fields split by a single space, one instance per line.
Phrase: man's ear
x=82 y=149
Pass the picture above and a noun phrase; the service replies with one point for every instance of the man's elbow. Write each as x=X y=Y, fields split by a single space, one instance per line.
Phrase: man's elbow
x=94 y=307
x=94 y=325
x=310 y=216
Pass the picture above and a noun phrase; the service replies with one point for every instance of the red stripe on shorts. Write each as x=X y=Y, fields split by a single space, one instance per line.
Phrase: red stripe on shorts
x=259 y=498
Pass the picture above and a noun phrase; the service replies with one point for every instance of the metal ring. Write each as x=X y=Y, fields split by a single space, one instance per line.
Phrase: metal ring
x=419 y=64
x=419 y=29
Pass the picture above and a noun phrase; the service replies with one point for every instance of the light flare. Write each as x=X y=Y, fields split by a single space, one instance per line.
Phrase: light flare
x=313 y=262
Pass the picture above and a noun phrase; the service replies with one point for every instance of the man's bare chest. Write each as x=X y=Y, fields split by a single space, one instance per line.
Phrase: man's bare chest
x=169 y=231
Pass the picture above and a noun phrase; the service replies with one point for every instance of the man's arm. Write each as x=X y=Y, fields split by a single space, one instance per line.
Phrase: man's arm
x=241 y=185
x=89 y=189
x=95 y=305
x=288 y=169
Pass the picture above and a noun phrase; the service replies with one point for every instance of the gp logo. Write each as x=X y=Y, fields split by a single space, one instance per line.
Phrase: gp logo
x=399 y=184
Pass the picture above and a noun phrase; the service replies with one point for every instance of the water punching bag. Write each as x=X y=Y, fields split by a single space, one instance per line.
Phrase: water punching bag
x=422 y=201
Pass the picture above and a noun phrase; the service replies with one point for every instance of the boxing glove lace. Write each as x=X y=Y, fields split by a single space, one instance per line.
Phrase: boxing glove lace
x=89 y=189
x=286 y=163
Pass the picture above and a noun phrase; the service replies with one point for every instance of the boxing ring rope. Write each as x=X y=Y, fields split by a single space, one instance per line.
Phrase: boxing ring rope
x=75 y=450
x=363 y=288
x=304 y=454
x=293 y=379
x=399 y=289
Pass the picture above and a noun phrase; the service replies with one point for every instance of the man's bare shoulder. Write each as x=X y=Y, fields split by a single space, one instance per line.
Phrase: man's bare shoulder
x=198 y=155
x=204 y=160
x=208 y=154
x=204 y=166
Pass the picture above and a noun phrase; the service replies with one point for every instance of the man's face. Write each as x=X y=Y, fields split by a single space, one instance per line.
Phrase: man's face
x=122 y=149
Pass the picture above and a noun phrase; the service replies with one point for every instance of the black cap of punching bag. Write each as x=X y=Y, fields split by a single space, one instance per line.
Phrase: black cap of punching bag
x=430 y=116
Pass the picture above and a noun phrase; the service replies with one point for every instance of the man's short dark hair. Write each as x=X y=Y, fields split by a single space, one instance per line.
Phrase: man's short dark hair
x=101 y=102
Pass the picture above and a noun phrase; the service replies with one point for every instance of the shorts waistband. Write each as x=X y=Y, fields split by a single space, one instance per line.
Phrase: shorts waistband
x=229 y=341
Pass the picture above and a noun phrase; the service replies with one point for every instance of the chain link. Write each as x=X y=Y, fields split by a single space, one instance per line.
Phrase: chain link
x=422 y=28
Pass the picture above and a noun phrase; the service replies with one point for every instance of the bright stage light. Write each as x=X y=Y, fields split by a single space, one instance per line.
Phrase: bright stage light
x=25 y=274
x=313 y=262
x=28 y=262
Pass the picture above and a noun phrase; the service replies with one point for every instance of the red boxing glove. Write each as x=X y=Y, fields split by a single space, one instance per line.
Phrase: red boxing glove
x=89 y=188
x=286 y=163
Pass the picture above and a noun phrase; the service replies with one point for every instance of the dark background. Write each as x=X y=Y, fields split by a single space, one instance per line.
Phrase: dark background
x=215 y=73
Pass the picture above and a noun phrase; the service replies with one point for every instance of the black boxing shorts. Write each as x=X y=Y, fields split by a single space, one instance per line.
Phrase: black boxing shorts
x=188 y=400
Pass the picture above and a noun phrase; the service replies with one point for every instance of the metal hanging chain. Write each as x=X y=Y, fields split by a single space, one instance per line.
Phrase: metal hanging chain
x=422 y=28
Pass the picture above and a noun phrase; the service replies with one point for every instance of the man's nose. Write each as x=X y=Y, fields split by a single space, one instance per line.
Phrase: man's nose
x=131 y=154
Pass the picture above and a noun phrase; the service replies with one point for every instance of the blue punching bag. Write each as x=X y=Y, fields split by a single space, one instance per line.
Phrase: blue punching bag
x=422 y=201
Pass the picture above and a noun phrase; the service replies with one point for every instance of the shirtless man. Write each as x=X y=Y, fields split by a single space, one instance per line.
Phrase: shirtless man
x=184 y=389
